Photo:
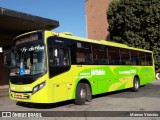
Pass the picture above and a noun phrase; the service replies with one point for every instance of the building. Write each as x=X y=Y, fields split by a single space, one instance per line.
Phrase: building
x=13 y=23
x=96 y=19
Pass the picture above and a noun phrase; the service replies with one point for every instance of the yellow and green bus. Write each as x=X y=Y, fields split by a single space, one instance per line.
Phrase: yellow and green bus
x=49 y=67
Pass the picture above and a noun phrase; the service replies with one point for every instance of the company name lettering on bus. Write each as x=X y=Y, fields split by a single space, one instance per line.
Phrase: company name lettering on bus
x=33 y=48
x=127 y=72
x=98 y=72
x=28 y=39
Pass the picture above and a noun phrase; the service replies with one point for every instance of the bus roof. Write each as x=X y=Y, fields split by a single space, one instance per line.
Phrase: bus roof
x=103 y=42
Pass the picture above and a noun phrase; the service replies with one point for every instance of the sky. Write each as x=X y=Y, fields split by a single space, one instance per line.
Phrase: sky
x=69 y=13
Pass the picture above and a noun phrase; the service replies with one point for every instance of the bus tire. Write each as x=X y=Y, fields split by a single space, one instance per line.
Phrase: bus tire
x=136 y=85
x=81 y=94
x=89 y=93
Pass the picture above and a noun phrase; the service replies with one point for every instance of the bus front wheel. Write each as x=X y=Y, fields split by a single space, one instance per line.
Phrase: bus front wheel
x=136 y=84
x=81 y=94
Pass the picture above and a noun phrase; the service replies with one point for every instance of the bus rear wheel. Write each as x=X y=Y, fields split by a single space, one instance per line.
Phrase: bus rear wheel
x=81 y=94
x=136 y=84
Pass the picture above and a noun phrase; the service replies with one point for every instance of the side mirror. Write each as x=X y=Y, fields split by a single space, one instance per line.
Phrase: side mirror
x=7 y=59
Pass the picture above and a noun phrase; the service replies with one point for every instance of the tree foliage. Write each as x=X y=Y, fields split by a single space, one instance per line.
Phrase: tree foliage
x=136 y=23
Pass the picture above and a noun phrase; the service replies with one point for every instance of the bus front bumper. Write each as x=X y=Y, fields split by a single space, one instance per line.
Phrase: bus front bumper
x=39 y=97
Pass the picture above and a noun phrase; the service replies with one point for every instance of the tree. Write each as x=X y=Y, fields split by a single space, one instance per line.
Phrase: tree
x=136 y=23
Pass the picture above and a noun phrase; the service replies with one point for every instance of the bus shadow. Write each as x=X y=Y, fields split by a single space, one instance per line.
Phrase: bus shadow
x=109 y=94
x=45 y=105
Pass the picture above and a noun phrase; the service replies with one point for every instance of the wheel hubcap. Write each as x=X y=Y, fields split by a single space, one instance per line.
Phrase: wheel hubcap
x=136 y=85
x=83 y=93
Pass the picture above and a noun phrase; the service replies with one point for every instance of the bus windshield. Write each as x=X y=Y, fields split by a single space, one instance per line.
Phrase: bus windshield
x=28 y=60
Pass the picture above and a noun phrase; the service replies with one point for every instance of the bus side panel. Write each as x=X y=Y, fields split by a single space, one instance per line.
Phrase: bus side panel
x=104 y=78
x=84 y=72
x=123 y=77
x=146 y=74
x=99 y=77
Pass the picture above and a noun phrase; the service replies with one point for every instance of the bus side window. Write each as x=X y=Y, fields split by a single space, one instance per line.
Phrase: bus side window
x=149 y=59
x=58 y=56
x=134 y=57
x=114 y=56
x=142 y=58
x=81 y=53
x=51 y=56
x=73 y=47
x=125 y=56
x=100 y=54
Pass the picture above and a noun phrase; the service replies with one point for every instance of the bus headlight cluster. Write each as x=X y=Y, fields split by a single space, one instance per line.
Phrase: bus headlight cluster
x=39 y=87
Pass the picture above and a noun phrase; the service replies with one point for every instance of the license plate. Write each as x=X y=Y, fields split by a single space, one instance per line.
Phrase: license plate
x=18 y=96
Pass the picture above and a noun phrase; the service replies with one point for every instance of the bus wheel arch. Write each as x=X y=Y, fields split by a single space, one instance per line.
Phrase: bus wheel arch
x=83 y=92
x=136 y=84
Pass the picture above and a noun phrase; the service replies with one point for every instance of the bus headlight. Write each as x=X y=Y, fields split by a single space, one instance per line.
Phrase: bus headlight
x=39 y=87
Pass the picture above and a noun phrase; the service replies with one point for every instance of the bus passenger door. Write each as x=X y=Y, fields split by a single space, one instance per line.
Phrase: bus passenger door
x=59 y=65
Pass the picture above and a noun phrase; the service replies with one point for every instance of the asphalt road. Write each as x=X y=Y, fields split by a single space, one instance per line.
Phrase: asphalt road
x=147 y=99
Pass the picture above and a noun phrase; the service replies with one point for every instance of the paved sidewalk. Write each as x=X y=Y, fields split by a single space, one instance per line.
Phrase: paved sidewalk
x=4 y=91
